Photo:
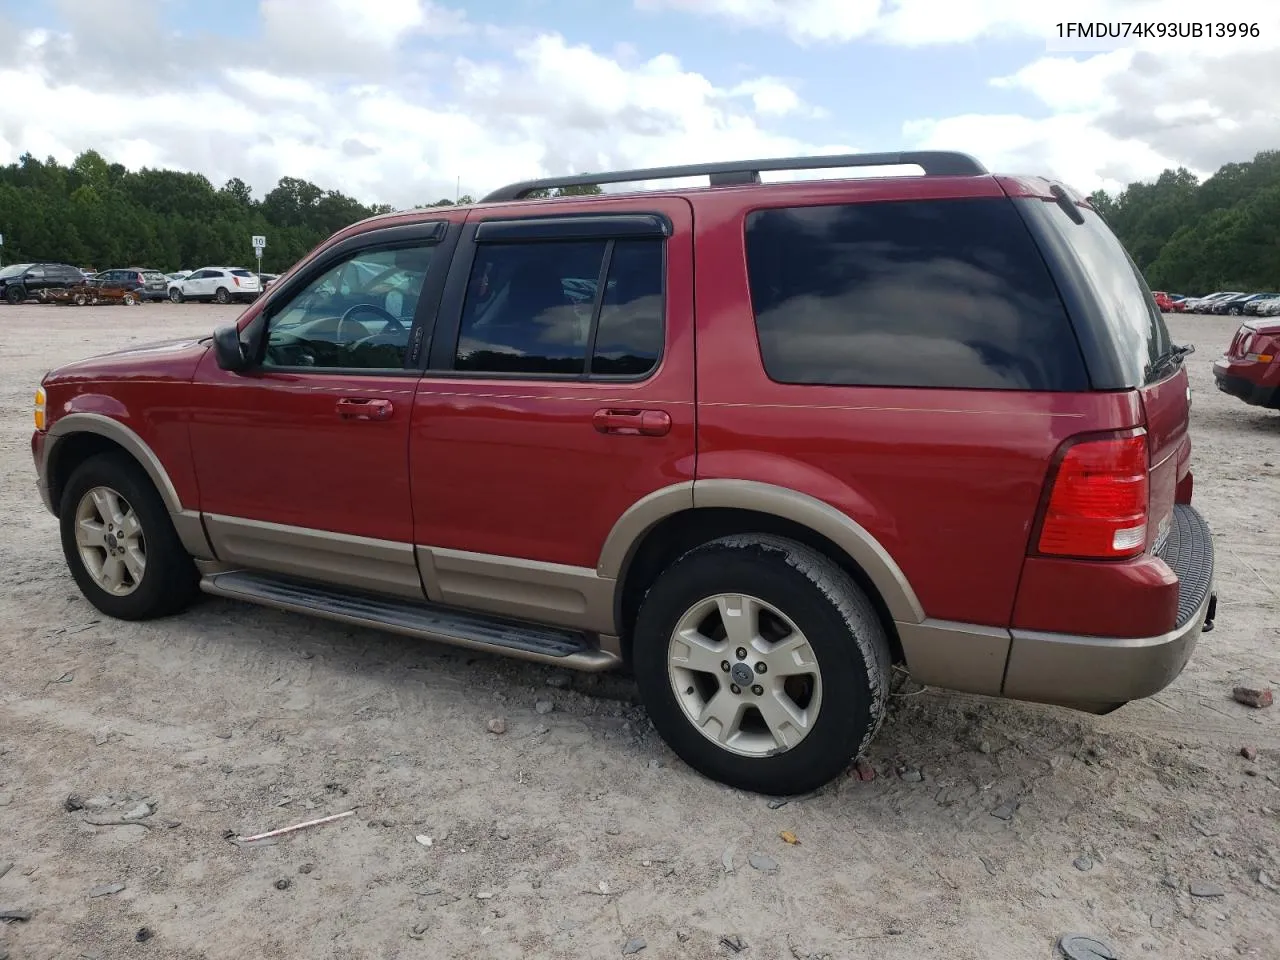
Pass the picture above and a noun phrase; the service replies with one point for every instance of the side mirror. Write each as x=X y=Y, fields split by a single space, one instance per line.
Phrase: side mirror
x=228 y=350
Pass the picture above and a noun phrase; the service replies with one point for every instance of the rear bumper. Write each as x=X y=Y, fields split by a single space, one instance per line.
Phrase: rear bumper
x=1098 y=672
x=1227 y=375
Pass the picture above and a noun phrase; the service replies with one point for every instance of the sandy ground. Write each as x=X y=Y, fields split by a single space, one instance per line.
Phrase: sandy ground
x=576 y=831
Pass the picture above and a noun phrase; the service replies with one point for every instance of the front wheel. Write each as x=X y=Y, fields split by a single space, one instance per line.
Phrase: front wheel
x=129 y=299
x=175 y=295
x=14 y=295
x=120 y=544
x=762 y=664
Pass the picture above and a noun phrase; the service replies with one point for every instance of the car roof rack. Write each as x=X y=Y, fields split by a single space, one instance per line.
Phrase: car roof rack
x=935 y=163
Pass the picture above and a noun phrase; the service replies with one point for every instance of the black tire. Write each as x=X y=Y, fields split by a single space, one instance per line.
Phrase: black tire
x=15 y=295
x=129 y=299
x=843 y=630
x=222 y=295
x=175 y=295
x=169 y=582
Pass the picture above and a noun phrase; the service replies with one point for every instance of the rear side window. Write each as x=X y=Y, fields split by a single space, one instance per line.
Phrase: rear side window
x=242 y=273
x=918 y=293
x=1128 y=307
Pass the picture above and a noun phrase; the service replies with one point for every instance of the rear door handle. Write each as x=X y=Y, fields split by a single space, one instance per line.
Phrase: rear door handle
x=634 y=423
x=364 y=408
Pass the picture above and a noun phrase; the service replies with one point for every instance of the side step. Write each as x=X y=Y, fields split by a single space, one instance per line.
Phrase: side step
x=566 y=648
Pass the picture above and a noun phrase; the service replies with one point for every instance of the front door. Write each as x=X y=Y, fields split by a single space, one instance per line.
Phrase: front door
x=302 y=461
x=560 y=392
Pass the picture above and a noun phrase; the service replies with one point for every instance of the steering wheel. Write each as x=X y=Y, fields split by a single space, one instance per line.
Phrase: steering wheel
x=391 y=318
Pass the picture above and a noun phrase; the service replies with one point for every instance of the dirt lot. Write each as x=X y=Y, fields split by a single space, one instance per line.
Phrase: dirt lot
x=576 y=831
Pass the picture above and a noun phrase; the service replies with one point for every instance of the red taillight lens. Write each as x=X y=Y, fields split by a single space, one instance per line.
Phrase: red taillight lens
x=237 y=280
x=1100 y=500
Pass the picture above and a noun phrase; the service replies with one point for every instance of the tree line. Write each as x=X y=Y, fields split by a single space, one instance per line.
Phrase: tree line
x=98 y=214
x=1186 y=236
x=1194 y=238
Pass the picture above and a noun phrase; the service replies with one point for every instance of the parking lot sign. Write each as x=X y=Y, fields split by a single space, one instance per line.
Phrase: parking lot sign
x=259 y=243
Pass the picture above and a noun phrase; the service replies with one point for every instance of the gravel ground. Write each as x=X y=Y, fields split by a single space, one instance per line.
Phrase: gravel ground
x=575 y=833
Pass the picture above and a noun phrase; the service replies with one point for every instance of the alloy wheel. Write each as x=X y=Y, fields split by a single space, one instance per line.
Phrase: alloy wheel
x=110 y=541
x=745 y=675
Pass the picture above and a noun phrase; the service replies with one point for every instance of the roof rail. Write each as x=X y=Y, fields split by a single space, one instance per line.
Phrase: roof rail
x=935 y=163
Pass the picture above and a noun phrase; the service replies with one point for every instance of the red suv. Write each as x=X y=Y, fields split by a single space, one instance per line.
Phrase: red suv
x=759 y=442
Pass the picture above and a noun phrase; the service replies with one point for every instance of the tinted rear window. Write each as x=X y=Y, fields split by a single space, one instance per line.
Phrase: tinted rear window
x=1128 y=308
x=918 y=293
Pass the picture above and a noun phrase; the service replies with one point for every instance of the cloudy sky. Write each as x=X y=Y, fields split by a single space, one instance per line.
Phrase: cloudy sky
x=392 y=100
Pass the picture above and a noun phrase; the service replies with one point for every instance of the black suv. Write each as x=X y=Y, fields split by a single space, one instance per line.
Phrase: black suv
x=19 y=281
x=147 y=284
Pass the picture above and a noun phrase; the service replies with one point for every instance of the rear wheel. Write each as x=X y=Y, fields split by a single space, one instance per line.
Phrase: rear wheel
x=80 y=299
x=120 y=544
x=222 y=296
x=129 y=299
x=762 y=664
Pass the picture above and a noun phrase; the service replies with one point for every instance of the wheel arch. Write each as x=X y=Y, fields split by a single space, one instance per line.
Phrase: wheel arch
x=76 y=437
x=669 y=522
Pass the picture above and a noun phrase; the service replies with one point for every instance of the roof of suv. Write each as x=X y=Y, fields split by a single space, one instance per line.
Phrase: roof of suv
x=745 y=174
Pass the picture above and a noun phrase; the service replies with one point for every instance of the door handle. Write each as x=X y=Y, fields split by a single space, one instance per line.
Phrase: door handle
x=364 y=408
x=634 y=423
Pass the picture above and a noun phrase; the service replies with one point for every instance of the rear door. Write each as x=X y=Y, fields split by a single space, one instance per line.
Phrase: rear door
x=559 y=393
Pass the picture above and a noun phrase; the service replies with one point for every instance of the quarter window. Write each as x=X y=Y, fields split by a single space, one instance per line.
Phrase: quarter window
x=919 y=293
x=537 y=308
x=356 y=315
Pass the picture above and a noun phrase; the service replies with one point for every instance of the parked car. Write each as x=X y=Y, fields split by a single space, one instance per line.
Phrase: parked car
x=1250 y=367
x=1254 y=307
x=20 y=281
x=1234 y=306
x=178 y=275
x=983 y=472
x=1269 y=308
x=220 y=284
x=1166 y=303
x=1202 y=304
x=268 y=279
x=134 y=284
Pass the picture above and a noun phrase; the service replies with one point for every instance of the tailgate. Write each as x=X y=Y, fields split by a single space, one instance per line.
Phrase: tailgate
x=1167 y=411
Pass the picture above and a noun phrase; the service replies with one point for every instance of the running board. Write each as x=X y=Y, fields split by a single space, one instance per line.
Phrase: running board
x=566 y=648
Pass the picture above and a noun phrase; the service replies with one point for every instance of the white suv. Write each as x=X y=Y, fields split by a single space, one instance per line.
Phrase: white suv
x=221 y=284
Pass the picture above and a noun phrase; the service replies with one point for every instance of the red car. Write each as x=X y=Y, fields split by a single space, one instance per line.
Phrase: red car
x=1250 y=367
x=759 y=442
x=1167 y=304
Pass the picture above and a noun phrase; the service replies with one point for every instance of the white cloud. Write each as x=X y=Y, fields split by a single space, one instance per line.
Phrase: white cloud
x=547 y=106
x=1115 y=113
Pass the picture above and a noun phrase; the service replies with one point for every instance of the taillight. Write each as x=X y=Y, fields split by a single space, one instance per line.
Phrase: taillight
x=236 y=279
x=1100 y=500
x=1261 y=348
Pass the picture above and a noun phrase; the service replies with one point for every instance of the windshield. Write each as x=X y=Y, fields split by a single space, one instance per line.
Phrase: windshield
x=1137 y=326
x=13 y=270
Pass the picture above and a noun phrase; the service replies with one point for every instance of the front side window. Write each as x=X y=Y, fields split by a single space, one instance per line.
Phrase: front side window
x=536 y=308
x=355 y=315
